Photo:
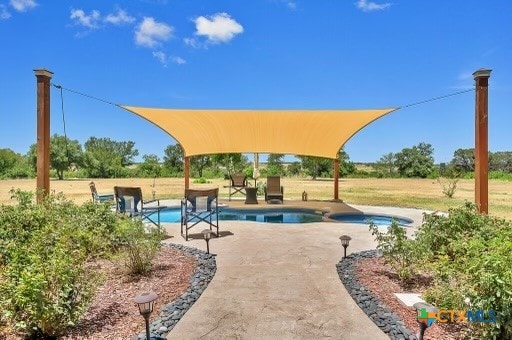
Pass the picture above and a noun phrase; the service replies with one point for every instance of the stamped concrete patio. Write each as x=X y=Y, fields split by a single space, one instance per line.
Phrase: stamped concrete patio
x=279 y=281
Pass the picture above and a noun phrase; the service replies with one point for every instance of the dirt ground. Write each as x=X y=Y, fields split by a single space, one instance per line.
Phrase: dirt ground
x=415 y=193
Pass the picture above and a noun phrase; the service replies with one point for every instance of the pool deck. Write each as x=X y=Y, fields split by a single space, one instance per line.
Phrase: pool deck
x=279 y=281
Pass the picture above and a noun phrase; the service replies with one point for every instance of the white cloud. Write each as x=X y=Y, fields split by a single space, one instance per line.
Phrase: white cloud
x=121 y=17
x=192 y=42
x=164 y=59
x=161 y=56
x=369 y=6
x=4 y=14
x=178 y=60
x=218 y=27
x=23 y=5
x=150 y=33
x=81 y=18
x=291 y=5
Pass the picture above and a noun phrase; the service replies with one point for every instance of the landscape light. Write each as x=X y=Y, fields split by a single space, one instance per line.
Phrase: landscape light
x=207 y=234
x=345 y=240
x=146 y=302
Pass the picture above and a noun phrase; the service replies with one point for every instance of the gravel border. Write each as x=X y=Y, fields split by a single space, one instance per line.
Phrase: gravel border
x=171 y=313
x=379 y=313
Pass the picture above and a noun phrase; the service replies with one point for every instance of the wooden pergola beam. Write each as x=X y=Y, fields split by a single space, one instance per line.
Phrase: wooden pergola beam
x=481 y=77
x=43 y=132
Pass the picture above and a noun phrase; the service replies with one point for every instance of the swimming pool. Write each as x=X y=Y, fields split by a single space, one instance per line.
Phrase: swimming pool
x=362 y=218
x=281 y=215
x=289 y=215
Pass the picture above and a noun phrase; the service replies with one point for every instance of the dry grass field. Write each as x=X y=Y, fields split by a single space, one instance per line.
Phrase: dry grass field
x=416 y=193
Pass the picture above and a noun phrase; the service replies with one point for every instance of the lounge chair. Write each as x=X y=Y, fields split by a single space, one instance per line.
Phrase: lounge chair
x=238 y=183
x=97 y=197
x=273 y=189
x=129 y=201
x=199 y=206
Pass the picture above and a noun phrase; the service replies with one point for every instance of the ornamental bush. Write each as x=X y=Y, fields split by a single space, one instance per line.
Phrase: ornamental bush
x=397 y=250
x=45 y=285
x=470 y=256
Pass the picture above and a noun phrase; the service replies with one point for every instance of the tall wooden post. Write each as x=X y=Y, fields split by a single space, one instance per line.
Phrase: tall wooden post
x=336 y=177
x=481 y=77
x=187 y=172
x=43 y=132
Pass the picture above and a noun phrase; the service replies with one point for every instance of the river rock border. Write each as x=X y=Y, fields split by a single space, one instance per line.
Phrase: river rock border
x=171 y=313
x=379 y=313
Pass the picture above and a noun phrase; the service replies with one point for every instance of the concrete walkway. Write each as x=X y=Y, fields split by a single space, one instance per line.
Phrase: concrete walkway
x=279 y=281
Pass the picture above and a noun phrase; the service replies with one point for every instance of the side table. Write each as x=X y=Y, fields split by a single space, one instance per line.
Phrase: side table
x=251 y=195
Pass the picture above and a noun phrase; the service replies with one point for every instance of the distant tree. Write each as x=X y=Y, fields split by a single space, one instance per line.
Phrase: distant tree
x=106 y=158
x=318 y=166
x=232 y=162
x=64 y=153
x=463 y=160
x=294 y=169
x=150 y=166
x=315 y=166
x=124 y=150
x=500 y=161
x=8 y=160
x=173 y=159
x=417 y=161
x=199 y=163
x=275 y=165
x=386 y=164
x=346 y=166
x=14 y=165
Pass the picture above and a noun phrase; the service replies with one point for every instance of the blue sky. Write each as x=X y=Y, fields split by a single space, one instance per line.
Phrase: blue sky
x=264 y=54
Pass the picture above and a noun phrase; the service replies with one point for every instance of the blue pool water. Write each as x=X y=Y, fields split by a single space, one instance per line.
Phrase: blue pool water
x=288 y=215
x=366 y=218
x=283 y=215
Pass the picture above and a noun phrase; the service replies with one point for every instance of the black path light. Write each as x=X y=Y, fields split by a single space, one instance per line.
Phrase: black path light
x=207 y=234
x=345 y=240
x=424 y=312
x=146 y=302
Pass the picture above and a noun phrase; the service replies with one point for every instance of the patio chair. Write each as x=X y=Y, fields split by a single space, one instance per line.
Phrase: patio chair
x=273 y=189
x=129 y=201
x=199 y=205
x=97 y=197
x=238 y=183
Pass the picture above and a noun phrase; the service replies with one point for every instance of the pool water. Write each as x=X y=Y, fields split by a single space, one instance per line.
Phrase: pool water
x=289 y=215
x=361 y=218
x=283 y=215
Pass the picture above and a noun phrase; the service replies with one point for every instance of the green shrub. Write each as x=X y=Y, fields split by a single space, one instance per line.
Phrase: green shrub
x=139 y=247
x=44 y=284
x=397 y=250
x=448 y=185
x=470 y=255
x=44 y=287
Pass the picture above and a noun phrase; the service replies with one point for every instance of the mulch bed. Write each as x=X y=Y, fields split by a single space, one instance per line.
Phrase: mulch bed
x=383 y=281
x=113 y=313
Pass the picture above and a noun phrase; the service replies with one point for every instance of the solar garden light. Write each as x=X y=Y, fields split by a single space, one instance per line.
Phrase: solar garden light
x=207 y=234
x=345 y=240
x=146 y=302
x=422 y=316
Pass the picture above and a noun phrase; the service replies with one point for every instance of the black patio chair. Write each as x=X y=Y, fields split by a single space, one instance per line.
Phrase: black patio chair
x=129 y=201
x=199 y=205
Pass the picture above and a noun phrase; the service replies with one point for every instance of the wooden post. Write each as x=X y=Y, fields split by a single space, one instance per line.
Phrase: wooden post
x=336 y=177
x=187 y=172
x=43 y=132
x=481 y=77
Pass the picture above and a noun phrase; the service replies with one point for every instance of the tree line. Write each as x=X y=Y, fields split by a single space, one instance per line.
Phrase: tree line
x=107 y=158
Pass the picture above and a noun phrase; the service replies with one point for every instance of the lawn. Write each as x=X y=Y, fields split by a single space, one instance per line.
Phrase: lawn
x=415 y=193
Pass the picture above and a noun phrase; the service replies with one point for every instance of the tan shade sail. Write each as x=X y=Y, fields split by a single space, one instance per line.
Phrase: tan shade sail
x=318 y=133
